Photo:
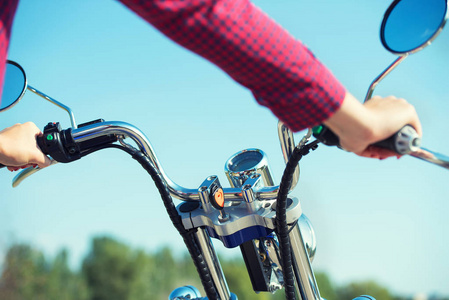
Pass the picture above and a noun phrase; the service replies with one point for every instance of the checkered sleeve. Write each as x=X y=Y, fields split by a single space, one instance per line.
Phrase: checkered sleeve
x=7 y=11
x=255 y=51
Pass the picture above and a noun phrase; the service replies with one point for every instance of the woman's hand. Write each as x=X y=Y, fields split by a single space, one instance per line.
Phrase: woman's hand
x=360 y=125
x=19 y=149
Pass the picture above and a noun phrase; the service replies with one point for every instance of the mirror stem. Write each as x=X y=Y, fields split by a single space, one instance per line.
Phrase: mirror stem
x=57 y=103
x=382 y=75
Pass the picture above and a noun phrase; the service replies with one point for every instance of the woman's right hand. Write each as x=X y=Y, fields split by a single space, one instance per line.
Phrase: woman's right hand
x=358 y=126
x=19 y=149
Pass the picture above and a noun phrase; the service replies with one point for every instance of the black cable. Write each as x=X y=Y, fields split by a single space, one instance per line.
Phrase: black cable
x=95 y=149
x=282 y=229
x=187 y=235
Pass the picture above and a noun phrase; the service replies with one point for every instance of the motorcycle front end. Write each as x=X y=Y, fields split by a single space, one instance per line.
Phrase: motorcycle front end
x=276 y=240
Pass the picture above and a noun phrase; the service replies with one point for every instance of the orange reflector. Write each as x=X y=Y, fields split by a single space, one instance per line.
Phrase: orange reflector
x=219 y=197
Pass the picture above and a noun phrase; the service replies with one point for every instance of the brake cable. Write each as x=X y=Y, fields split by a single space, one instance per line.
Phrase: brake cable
x=282 y=230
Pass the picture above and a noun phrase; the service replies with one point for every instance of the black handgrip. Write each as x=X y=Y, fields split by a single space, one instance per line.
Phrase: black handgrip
x=404 y=141
x=59 y=143
x=326 y=136
x=41 y=144
x=61 y=146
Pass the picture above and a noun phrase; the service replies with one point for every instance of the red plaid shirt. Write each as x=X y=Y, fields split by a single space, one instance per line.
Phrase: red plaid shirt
x=243 y=41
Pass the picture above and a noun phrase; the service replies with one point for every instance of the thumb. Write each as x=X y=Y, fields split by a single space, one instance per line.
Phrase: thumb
x=43 y=161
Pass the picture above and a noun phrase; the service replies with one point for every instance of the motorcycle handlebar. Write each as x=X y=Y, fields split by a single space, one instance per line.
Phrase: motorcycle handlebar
x=97 y=131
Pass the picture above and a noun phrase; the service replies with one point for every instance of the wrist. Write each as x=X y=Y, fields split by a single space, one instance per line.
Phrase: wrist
x=3 y=157
x=353 y=121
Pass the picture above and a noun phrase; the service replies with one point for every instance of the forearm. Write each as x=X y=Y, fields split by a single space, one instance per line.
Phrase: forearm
x=7 y=11
x=255 y=51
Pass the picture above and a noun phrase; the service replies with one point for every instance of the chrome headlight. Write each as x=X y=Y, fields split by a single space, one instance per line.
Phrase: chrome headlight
x=308 y=235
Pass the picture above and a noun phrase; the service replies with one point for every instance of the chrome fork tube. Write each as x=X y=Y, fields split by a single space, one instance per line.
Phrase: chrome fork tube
x=306 y=285
x=213 y=264
x=287 y=141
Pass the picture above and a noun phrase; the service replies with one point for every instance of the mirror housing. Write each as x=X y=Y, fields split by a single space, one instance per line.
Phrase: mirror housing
x=407 y=27
x=14 y=87
x=410 y=25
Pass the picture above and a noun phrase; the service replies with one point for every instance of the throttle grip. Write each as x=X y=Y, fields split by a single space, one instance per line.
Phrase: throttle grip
x=61 y=146
x=41 y=144
x=404 y=141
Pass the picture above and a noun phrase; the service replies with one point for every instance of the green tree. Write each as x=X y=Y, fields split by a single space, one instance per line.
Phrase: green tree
x=158 y=275
x=28 y=275
x=23 y=276
x=115 y=271
x=326 y=287
x=62 y=282
x=110 y=269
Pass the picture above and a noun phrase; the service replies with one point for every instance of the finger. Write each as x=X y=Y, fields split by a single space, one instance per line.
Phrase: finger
x=414 y=121
x=46 y=162
x=377 y=152
x=42 y=161
x=375 y=97
x=383 y=153
x=418 y=128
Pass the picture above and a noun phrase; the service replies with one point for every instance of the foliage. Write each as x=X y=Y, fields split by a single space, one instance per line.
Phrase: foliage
x=28 y=275
x=113 y=270
x=326 y=287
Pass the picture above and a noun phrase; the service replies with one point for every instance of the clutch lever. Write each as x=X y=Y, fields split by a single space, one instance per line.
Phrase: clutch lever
x=27 y=172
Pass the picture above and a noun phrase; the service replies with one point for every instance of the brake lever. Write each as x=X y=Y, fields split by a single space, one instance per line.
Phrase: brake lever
x=27 y=172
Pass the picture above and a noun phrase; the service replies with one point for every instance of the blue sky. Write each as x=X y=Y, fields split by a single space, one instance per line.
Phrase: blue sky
x=385 y=221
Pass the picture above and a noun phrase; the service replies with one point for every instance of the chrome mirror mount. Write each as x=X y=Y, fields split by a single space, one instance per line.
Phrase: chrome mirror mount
x=409 y=26
x=15 y=86
x=57 y=103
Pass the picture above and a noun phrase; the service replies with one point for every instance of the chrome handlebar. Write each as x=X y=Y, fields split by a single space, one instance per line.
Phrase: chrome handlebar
x=127 y=130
